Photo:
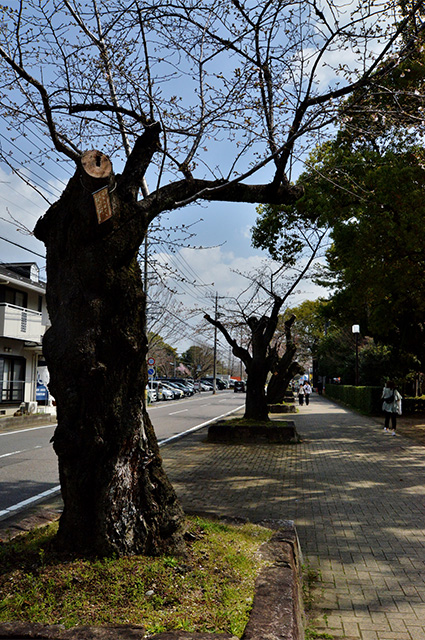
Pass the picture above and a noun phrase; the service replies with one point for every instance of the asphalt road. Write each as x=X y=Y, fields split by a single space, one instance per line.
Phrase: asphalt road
x=172 y=418
x=28 y=464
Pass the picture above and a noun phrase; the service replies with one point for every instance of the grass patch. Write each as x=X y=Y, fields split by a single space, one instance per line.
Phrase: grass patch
x=210 y=590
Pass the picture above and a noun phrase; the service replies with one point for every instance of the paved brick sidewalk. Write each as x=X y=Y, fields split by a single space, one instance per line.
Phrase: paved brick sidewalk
x=357 y=496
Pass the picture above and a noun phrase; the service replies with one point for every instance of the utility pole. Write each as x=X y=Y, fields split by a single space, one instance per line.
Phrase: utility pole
x=215 y=347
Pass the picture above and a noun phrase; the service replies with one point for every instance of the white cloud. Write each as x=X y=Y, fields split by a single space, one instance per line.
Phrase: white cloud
x=247 y=231
x=214 y=271
x=217 y=270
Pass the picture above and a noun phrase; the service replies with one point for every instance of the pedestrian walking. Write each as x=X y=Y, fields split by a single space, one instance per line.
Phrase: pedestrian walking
x=391 y=405
x=301 y=394
x=307 y=391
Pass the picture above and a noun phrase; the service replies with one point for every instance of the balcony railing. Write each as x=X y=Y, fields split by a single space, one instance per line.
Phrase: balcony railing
x=20 y=323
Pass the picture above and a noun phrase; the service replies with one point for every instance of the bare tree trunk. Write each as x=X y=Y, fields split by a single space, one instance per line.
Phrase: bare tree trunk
x=278 y=385
x=117 y=498
x=284 y=368
x=256 y=404
x=258 y=363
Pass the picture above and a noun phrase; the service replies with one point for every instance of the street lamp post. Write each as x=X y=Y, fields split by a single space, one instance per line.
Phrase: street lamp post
x=356 y=330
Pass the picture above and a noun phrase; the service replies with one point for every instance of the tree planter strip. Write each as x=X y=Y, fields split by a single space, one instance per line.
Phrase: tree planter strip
x=252 y=434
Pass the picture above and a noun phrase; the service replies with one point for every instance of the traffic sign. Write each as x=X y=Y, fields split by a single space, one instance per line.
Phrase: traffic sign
x=151 y=361
x=151 y=371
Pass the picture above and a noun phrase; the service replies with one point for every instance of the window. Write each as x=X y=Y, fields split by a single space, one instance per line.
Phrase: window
x=20 y=299
x=12 y=379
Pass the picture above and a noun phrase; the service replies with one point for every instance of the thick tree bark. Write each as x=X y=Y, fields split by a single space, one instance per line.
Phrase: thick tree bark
x=117 y=498
x=256 y=408
x=257 y=368
x=283 y=368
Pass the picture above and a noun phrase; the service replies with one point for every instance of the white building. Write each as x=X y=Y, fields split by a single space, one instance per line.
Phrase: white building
x=23 y=322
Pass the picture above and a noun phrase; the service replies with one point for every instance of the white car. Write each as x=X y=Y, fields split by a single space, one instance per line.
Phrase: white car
x=151 y=394
x=167 y=394
x=178 y=393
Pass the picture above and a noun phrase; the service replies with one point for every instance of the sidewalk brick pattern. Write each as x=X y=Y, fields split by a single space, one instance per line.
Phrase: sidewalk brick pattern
x=357 y=497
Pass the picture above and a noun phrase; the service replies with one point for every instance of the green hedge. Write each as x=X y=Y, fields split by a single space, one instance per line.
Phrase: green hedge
x=368 y=399
x=365 y=399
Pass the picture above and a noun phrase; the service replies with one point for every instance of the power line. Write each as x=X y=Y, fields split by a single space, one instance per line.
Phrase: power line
x=185 y=266
x=180 y=265
x=33 y=172
x=24 y=248
x=28 y=156
x=182 y=259
x=185 y=287
x=33 y=215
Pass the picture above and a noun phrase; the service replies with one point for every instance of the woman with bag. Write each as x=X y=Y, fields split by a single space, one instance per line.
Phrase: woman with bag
x=391 y=405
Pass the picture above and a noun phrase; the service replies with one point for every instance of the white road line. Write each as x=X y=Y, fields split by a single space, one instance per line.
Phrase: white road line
x=11 y=433
x=14 y=453
x=199 y=426
x=5 y=513
x=181 y=411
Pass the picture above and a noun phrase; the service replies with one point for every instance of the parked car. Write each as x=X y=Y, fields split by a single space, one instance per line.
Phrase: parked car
x=186 y=390
x=239 y=386
x=161 y=391
x=220 y=385
x=151 y=394
x=180 y=383
x=168 y=394
x=178 y=393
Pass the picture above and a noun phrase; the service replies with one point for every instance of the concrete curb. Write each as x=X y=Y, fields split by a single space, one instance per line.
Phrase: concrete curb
x=10 y=423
